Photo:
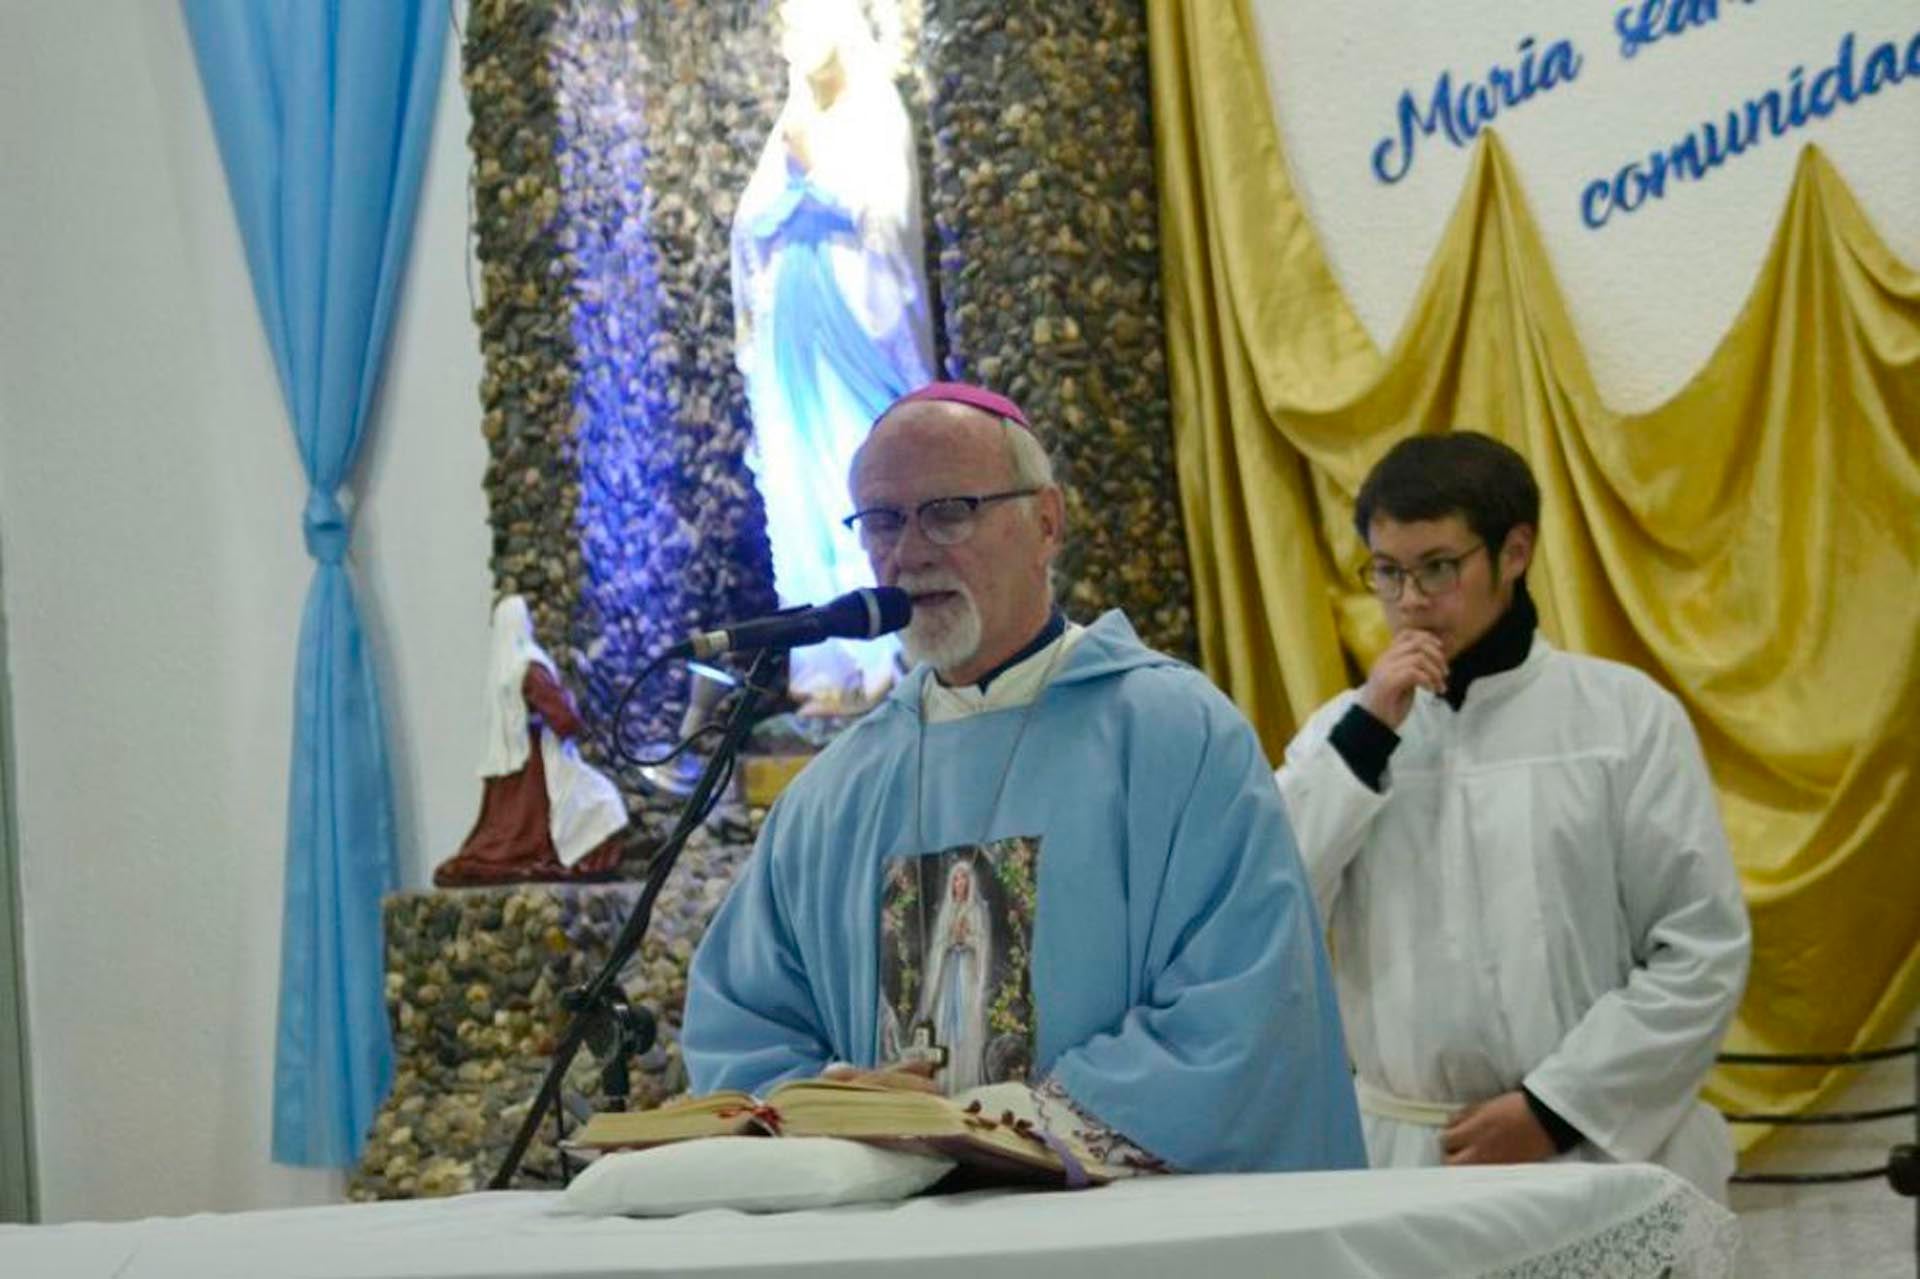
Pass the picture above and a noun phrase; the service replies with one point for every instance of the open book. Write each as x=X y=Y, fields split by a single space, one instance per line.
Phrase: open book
x=994 y=1144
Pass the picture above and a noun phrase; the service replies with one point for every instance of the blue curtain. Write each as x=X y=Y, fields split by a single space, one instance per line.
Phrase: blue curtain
x=323 y=110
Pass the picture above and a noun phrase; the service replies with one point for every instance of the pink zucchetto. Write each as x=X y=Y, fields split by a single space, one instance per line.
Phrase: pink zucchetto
x=964 y=393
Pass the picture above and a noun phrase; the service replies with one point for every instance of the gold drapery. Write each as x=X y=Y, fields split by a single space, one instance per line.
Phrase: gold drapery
x=1753 y=543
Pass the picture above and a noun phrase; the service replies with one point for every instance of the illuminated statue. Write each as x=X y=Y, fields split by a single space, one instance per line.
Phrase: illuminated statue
x=830 y=306
x=545 y=813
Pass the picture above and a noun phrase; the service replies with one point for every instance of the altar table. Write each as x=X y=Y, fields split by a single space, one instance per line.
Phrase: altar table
x=1557 y=1221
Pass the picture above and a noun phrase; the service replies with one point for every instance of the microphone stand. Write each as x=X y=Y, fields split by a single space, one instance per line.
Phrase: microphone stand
x=601 y=1002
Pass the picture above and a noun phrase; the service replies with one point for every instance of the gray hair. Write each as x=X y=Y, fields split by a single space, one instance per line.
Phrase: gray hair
x=1032 y=468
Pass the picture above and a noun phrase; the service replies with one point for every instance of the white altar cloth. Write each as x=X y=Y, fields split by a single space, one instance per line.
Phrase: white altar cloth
x=1543 y=1222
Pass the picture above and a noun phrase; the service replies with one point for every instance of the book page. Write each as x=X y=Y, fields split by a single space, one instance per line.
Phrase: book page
x=992 y=1134
x=715 y=1115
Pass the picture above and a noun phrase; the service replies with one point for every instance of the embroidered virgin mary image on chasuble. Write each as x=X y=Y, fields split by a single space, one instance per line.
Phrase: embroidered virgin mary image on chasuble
x=956 y=938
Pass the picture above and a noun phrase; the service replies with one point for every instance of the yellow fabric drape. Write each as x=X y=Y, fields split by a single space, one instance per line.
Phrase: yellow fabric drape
x=1754 y=543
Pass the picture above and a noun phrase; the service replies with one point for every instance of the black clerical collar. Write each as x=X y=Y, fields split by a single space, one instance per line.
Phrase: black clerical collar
x=1502 y=648
x=1055 y=627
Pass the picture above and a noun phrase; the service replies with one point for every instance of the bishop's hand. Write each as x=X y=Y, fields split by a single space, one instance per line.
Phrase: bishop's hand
x=907 y=1076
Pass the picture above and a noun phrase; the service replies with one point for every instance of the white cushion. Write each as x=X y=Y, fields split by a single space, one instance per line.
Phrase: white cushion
x=752 y=1174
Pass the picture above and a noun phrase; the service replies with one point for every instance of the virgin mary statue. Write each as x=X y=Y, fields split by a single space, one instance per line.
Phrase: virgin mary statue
x=830 y=306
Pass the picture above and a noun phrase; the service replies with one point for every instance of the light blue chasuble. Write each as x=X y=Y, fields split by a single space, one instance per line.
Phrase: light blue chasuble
x=1175 y=981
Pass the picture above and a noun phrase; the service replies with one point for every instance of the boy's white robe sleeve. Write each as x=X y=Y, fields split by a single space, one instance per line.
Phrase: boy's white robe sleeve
x=1330 y=809
x=1629 y=1070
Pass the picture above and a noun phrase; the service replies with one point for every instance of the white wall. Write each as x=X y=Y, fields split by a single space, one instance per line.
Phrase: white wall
x=150 y=523
x=1651 y=293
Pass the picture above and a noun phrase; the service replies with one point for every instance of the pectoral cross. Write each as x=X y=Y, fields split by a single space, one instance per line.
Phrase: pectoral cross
x=925 y=1047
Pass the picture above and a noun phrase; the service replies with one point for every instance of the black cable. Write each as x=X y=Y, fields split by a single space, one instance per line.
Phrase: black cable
x=685 y=744
x=618 y=738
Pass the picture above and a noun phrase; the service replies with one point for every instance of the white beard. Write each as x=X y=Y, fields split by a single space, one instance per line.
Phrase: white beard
x=944 y=636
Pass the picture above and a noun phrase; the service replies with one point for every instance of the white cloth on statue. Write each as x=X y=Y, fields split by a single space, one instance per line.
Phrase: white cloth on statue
x=830 y=306
x=1541 y=894
x=511 y=651
x=583 y=807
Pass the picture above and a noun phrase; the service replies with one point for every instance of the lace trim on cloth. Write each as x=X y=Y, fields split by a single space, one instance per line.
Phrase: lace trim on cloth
x=1683 y=1235
x=1110 y=1148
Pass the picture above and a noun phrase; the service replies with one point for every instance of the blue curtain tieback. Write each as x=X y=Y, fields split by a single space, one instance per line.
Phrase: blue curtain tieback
x=326 y=249
x=325 y=525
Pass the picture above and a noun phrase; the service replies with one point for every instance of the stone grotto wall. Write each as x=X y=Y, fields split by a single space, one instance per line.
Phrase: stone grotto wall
x=1048 y=250
x=473 y=986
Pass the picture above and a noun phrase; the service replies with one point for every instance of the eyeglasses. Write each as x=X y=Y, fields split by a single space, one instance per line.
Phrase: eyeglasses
x=1434 y=576
x=946 y=521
